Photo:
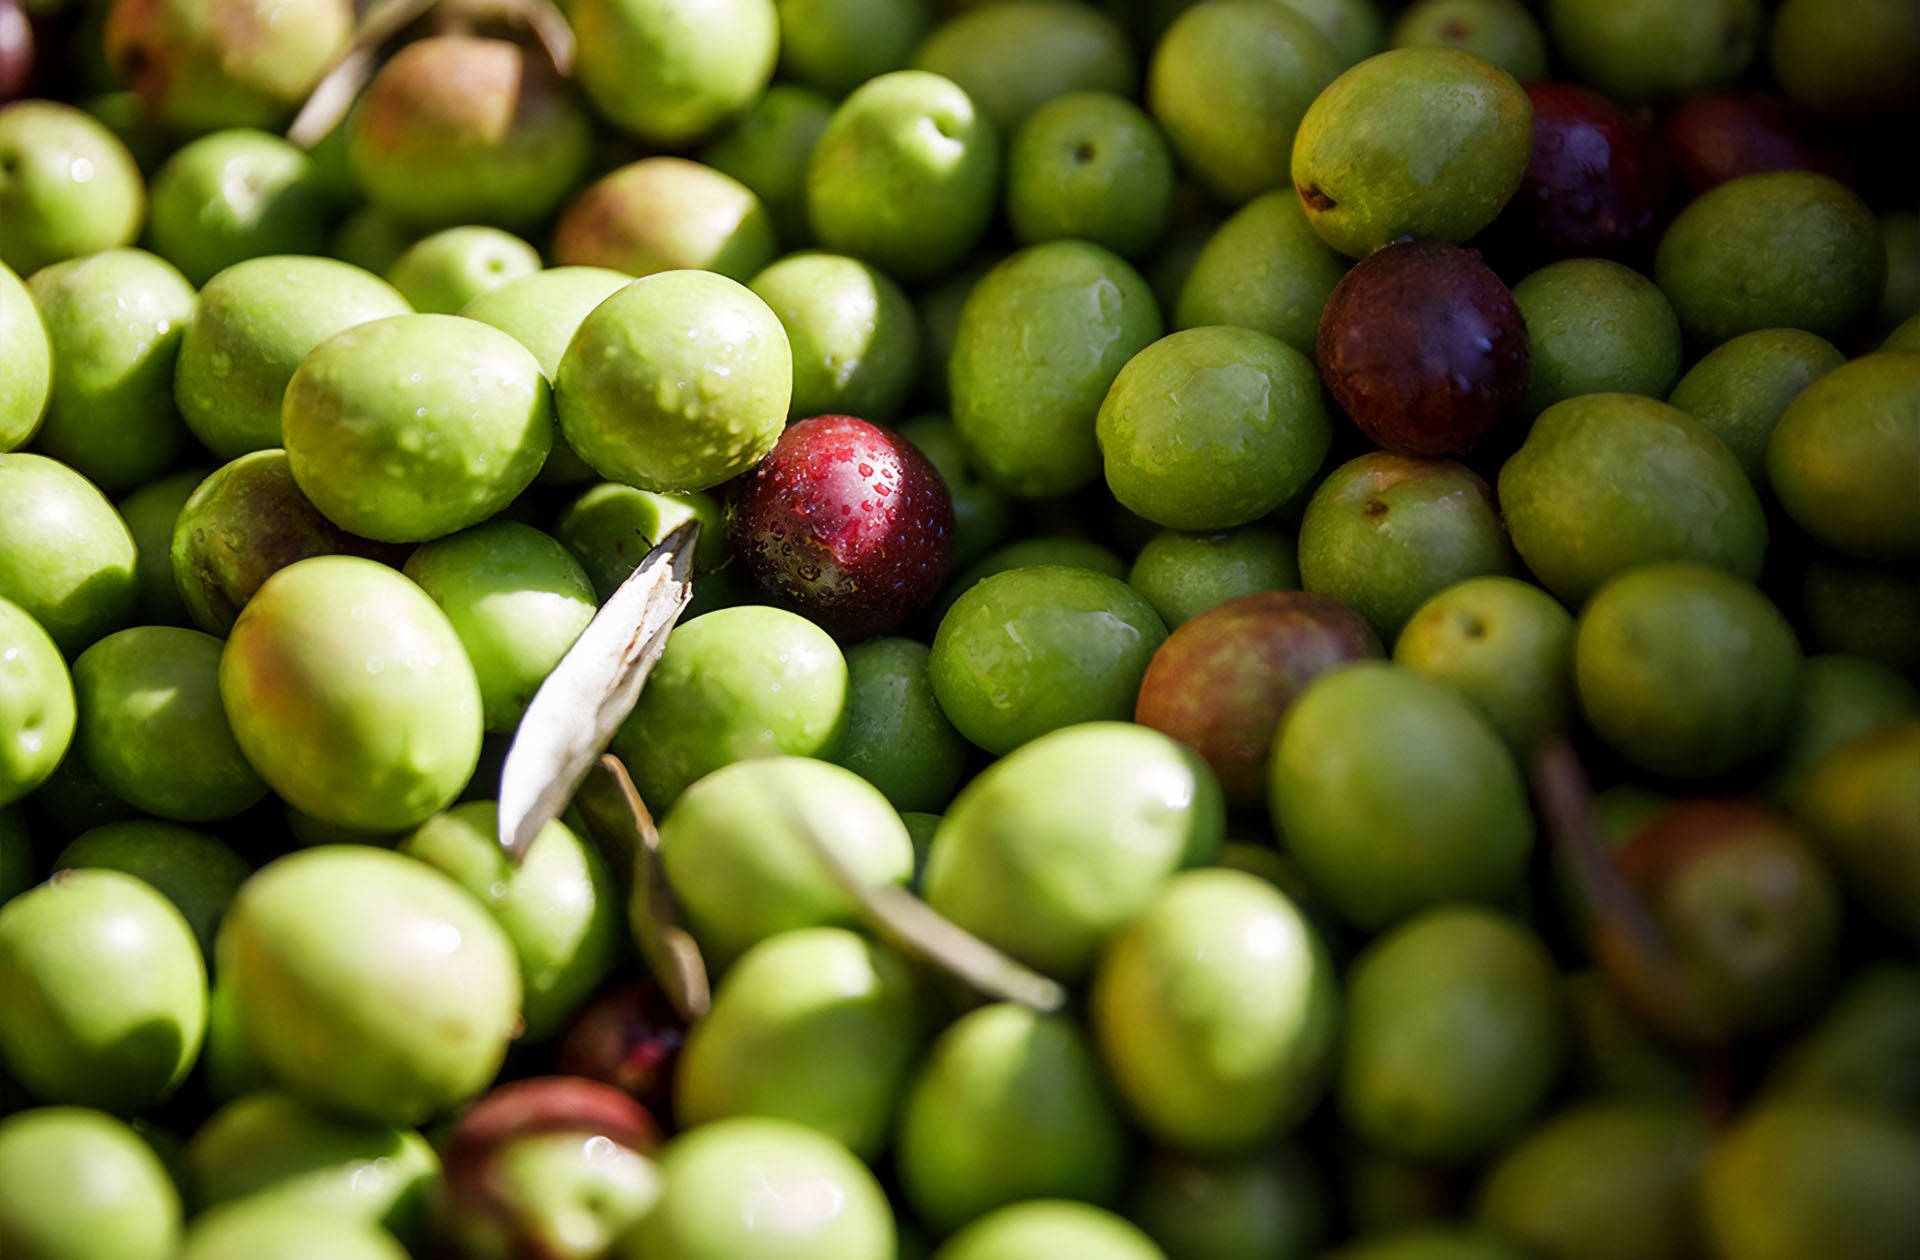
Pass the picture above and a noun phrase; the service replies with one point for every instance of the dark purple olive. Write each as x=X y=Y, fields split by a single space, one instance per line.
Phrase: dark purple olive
x=1721 y=137
x=1424 y=348
x=1595 y=183
x=629 y=1038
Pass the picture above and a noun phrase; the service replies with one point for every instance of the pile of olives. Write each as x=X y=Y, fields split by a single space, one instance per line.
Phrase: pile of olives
x=1302 y=637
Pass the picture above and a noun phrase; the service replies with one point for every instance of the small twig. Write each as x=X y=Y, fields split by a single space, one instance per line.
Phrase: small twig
x=1620 y=921
x=624 y=828
x=550 y=28
x=333 y=97
x=917 y=929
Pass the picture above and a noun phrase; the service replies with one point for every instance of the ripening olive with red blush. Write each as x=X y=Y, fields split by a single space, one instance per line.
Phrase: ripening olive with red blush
x=16 y=50
x=846 y=522
x=1424 y=348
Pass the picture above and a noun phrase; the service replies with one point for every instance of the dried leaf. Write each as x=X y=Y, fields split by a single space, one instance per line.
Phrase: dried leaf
x=623 y=827
x=593 y=688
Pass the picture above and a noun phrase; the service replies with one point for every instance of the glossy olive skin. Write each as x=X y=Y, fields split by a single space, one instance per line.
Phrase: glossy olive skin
x=411 y=427
x=351 y=696
x=1008 y=1105
x=1185 y=574
x=818 y=1026
x=66 y=557
x=1424 y=348
x=1209 y=428
x=677 y=382
x=1041 y=338
x=368 y=983
x=50 y=212
x=152 y=728
x=1454 y=1035
x=253 y=324
x=1039 y=872
x=905 y=174
x=1229 y=85
x=1222 y=682
x=1265 y=268
x=1385 y=532
x=1838 y=458
x=232 y=196
x=897 y=738
x=36 y=704
x=115 y=321
x=1782 y=249
x=853 y=331
x=29 y=357
x=663 y=214
x=1671 y=490
x=1421 y=142
x=558 y=906
x=734 y=683
x=846 y=521
x=668 y=80
x=1031 y=650
x=270 y=1145
x=104 y=989
x=1216 y=1042
x=1395 y=794
x=460 y=129
x=247 y=521
x=714 y=1179
x=1089 y=166
x=129 y=1210
x=1685 y=670
x=1750 y=915
x=741 y=872
x=1508 y=645
x=517 y=599
x=1596 y=182
x=1742 y=387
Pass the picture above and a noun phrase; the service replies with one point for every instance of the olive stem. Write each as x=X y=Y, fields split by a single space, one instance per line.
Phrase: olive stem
x=626 y=835
x=1619 y=916
x=334 y=95
x=914 y=928
x=332 y=98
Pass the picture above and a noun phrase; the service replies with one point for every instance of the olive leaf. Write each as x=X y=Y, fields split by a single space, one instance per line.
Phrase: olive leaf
x=588 y=695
